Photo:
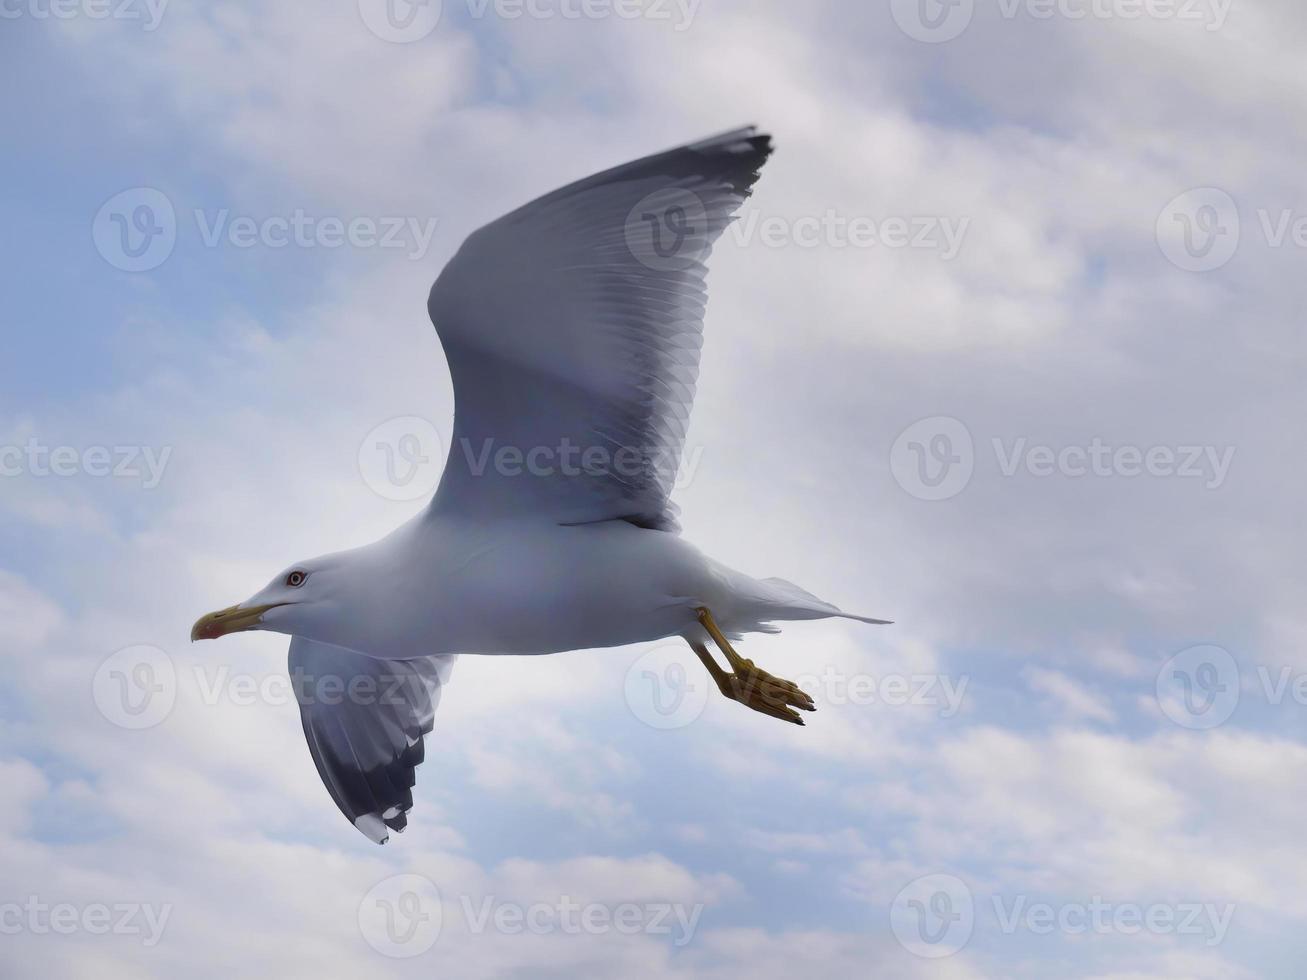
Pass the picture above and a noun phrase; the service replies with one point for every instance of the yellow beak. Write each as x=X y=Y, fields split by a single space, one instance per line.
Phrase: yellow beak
x=231 y=620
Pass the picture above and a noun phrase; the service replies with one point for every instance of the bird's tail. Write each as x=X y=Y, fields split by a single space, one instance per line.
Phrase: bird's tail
x=787 y=601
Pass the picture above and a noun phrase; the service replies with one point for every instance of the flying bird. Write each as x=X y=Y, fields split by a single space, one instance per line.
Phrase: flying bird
x=572 y=327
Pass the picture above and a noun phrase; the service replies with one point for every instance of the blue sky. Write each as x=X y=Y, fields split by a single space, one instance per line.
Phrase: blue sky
x=1050 y=595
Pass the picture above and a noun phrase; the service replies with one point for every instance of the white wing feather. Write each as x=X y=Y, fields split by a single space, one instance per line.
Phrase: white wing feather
x=573 y=327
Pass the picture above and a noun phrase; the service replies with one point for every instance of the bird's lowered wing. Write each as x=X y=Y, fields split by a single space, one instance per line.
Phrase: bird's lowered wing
x=364 y=720
x=573 y=327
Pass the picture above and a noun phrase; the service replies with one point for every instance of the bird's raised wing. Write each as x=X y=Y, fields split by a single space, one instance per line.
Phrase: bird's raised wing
x=573 y=327
x=364 y=720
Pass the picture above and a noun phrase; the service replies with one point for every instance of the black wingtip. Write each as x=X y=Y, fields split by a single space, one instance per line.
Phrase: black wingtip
x=738 y=155
x=745 y=140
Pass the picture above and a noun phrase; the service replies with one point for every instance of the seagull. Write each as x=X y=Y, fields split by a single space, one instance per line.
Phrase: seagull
x=572 y=327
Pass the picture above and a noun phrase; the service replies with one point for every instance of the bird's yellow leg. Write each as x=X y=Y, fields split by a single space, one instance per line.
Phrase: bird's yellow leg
x=723 y=644
x=749 y=684
x=718 y=675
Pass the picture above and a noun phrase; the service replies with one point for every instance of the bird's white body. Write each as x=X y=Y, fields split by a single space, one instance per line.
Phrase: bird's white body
x=594 y=585
x=454 y=585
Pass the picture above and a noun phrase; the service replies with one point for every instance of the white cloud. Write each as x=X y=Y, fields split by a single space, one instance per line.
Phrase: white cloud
x=1070 y=699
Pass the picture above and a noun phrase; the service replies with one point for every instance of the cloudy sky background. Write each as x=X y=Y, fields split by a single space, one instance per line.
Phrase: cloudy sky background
x=1073 y=312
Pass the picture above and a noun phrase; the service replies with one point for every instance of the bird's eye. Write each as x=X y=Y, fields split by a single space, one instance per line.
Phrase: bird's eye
x=296 y=578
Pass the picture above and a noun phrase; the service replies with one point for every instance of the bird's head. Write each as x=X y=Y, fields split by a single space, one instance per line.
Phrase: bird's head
x=288 y=604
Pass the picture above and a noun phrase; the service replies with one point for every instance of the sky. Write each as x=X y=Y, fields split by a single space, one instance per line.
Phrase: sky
x=1006 y=347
